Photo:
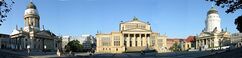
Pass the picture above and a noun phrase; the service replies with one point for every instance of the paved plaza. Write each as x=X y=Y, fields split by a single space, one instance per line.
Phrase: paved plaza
x=184 y=54
x=122 y=55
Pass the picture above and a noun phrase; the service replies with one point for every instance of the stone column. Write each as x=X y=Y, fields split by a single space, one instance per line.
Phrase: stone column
x=148 y=40
x=216 y=41
x=145 y=40
x=197 y=44
x=139 y=40
x=207 y=42
x=133 y=40
x=128 y=41
x=202 y=42
x=210 y=43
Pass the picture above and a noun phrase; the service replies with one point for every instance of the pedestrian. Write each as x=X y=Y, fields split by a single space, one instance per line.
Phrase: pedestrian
x=142 y=52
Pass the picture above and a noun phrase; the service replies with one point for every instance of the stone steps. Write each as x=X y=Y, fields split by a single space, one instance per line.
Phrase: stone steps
x=138 y=49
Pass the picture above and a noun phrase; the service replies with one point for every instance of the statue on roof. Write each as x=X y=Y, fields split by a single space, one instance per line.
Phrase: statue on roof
x=135 y=18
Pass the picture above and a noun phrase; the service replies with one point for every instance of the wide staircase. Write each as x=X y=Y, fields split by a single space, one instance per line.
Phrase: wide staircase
x=10 y=54
x=138 y=49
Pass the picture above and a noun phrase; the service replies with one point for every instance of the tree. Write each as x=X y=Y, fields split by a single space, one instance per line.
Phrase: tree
x=74 y=46
x=5 y=8
x=175 y=47
x=232 y=6
x=238 y=22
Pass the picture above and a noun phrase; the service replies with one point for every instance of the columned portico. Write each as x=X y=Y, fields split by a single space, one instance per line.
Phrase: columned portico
x=31 y=37
x=136 y=40
x=136 y=36
x=212 y=35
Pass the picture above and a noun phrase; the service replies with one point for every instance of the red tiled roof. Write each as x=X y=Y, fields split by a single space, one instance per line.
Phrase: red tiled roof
x=190 y=39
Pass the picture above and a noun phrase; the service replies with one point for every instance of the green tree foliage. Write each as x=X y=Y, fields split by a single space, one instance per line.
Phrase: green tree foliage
x=5 y=7
x=175 y=47
x=238 y=22
x=74 y=46
x=232 y=6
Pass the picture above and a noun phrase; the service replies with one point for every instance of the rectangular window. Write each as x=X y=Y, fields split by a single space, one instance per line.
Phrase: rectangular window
x=105 y=41
x=152 y=40
x=160 y=40
x=116 y=41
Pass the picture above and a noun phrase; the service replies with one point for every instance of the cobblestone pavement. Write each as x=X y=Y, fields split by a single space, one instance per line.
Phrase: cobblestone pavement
x=194 y=54
x=147 y=55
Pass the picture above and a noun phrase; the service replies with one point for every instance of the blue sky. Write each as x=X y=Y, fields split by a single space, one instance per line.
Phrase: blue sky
x=175 y=18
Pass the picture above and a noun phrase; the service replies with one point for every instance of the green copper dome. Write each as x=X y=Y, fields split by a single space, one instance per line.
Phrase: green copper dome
x=31 y=6
x=212 y=10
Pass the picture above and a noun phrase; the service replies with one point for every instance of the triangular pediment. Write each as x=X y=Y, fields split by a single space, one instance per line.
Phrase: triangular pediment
x=135 y=22
x=204 y=34
x=45 y=33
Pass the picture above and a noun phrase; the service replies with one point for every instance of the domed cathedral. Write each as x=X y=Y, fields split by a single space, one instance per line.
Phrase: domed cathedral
x=31 y=18
x=213 y=21
x=212 y=36
x=133 y=36
x=31 y=36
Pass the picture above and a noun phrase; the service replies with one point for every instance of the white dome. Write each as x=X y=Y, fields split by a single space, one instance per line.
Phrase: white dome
x=31 y=12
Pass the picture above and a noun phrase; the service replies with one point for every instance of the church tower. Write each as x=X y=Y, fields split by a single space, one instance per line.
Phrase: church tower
x=212 y=21
x=31 y=18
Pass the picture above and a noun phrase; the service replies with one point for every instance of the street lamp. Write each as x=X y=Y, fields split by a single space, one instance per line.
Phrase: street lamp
x=28 y=47
x=45 y=48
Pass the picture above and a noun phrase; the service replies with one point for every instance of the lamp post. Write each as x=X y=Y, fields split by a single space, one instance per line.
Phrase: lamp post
x=28 y=47
x=45 y=48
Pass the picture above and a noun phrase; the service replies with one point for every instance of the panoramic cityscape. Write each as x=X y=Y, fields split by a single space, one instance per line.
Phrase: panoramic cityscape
x=120 y=29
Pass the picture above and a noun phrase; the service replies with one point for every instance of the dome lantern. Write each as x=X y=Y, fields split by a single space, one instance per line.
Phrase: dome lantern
x=31 y=6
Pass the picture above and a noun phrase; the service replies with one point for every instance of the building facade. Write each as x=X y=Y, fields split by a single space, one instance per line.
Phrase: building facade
x=189 y=43
x=212 y=36
x=31 y=37
x=64 y=41
x=88 y=41
x=134 y=35
x=236 y=40
x=171 y=41
x=4 y=41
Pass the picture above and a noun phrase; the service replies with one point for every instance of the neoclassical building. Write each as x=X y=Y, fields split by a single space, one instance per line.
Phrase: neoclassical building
x=134 y=35
x=31 y=36
x=212 y=36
